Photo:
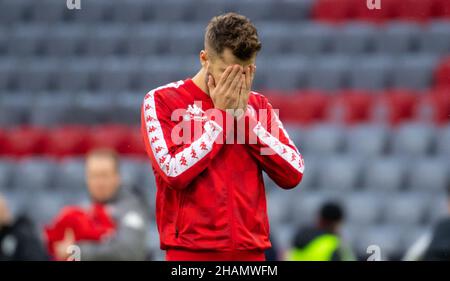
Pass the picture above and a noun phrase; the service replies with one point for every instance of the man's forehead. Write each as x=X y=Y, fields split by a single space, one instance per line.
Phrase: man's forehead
x=228 y=58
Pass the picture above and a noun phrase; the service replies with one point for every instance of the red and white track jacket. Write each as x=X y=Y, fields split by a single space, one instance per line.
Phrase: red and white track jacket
x=210 y=192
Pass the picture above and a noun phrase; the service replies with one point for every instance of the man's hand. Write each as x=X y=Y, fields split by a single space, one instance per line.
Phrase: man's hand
x=249 y=74
x=61 y=247
x=225 y=95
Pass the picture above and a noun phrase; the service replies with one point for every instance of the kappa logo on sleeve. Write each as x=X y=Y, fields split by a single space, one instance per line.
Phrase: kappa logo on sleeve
x=194 y=112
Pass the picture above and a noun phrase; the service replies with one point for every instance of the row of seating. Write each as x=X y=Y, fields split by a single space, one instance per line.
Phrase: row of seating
x=143 y=10
x=302 y=107
x=181 y=38
x=284 y=72
x=335 y=11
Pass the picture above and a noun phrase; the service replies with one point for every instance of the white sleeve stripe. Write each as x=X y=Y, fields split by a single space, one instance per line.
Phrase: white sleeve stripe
x=175 y=165
x=290 y=155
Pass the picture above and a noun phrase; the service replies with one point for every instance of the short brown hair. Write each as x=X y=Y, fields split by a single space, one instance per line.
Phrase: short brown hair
x=105 y=152
x=235 y=32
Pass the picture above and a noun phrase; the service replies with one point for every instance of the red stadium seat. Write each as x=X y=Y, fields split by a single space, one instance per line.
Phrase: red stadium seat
x=300 y=107
x=415 y=10
x=395 y=106
x=111 y=136
x=442 y=9
x=387 y=11
x=24 y=141
x=135 y=143
x=333 y=11
x=351 y=106
x=442 y=74
x=435 y=106
x=67 y=141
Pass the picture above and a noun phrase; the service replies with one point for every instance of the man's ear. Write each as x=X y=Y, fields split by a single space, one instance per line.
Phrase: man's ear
x=203 y=58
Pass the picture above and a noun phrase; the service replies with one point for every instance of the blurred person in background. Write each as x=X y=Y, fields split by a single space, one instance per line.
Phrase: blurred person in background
x=19 y=240
x=322 y=242
x=114 y=227
x=434 y=245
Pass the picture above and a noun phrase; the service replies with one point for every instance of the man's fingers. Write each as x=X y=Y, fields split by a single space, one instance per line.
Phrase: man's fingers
x=237 y=80
x=248 y=77
x=234 y=73
x=225 y=75
x=211 y=84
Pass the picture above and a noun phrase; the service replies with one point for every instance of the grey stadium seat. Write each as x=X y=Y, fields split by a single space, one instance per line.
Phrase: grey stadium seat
x=364 y=208
x=414 y=72
x=323 y=139
x=27 y=39
x=34 y=174
x=116 y=74
x=43 y=207
x=107 y=39
x=50 y=109
x=385 y=173
x=39 y=75
x=172 y=10
x=126 y=108
x=131 y=11
x=6 y=171
x=312 y=38
x=287 y=73
x=367 y=140
x=339 y=173
x=413 y=139
x=290 y=10
x=276 y=37
x=206 y=9
x=407 y=208
x=429 y=174
x=436 y=39
x=443 y=141
x=130 y=171
x=70 y=174
x=328 y=73
x=279 y=206
x=66 y=40
x=9 y=67
x=371 y=72
x=387 y=238
x=254 y=10
x=76 y=73
x=148 y=39
x=50 y=11
x=91 y=108
x=185 y=39
x=12 y=11
x=397 y=38
x=92 y=11
x=14 y=108
x=354 y=38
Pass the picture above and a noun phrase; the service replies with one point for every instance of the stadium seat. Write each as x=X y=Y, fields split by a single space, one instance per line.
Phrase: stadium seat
x=66 y=141
x=48 y=11
x=371 y=73
x=442 y=74
x=70 y=175
x=386 y=13
x=438 y=208
x=429 y=174
x=385 y=173
x=38 y=75
x=339 y=173
x=407 y=208
x=33 y=174
x=442 y=9
x=9 y=68
x=278 y=207
x=443 y=141
x=387 y=237
x=77 y=74
x=397 y=38
x=112 y=136
x=413 y=139
x=435 y=39
x=135 y=144
x=312 y=39
x=116 y=74
x=323 y=139
x=415 y=10
x=148 y=39
x=91 y=108
x=127 y=108
x=106 y=39
x=277 y=37
x=24 y=141
x=328 y=73
x=395 y=106
x=6 y=170
x=172 y=11
x=185 y=39
x=206 y=9
x=364 y=208
x=333 y=11
x=66 y=40
x=92 y=12
x=289 y=10
x=351 y=107
x=367 y=140
x=131 y=11
x=354 y=38
x=12 y=11
x=130 y=171
x=27 y=39
x=252 y=11
x=287 y=73
x=14 y=109
x=434 y=106
x=414 y=72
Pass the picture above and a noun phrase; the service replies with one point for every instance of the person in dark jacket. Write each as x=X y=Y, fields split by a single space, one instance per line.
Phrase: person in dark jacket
x=322 y=241
x=19 y=240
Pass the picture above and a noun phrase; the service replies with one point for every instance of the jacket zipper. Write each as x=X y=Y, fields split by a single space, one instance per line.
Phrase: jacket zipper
x=179 y=215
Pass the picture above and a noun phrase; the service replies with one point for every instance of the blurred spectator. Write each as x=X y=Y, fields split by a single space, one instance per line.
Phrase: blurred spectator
x=112 y=228
x=433 y=246
x=322 y=242
x=19 y=240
